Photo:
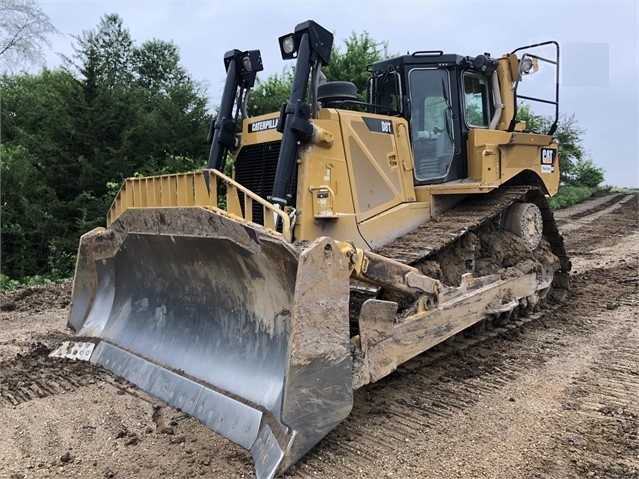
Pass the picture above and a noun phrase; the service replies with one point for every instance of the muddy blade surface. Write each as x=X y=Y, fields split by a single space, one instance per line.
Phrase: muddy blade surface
x=227 y=322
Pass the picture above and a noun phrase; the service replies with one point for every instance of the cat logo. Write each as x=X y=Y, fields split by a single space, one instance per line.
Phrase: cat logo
x=548 y=157
x=263 y=125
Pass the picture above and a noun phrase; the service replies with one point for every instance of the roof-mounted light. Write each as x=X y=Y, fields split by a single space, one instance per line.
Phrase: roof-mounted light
x=246 y=62
x=288 y=48
x=526 y=65
x=318 y=40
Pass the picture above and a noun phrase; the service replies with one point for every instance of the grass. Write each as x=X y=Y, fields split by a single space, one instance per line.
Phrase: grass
x=7 y=283
x=617 y=189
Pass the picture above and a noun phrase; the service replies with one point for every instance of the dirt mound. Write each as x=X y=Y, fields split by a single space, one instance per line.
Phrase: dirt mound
x=36 y=299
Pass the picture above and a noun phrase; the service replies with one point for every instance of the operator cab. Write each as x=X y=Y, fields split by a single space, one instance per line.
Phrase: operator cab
x=433 y=91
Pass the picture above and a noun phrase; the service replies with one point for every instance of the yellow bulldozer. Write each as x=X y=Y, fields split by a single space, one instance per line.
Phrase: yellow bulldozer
x=351 y=237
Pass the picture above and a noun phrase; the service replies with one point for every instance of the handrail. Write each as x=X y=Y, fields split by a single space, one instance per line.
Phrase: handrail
x=513 y=121
x=197 y=188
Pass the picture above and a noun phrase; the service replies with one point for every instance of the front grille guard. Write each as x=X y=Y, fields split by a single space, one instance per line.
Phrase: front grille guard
x=198 y=188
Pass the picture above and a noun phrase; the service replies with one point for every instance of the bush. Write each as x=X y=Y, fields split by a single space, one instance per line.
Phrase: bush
x=8 y=283
x=586 y=173
x=570 y=195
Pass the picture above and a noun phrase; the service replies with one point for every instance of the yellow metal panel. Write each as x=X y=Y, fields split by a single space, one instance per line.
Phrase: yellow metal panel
x=269 y=220
x=484 y=161
x=260 y=129
x=405 y=155
x=214 y=192
x=201 y=193
x=172 y=193
x=138 y=191
x=232 y=199
x=460 y=188
x=248 y=208
x=507 y=72
x=325 y=167
x=164 y=188
x=377 y=181
x=183 y=191
x=383 y=228
x=494 y=157
x=156 y=186
x=519 y=138
x=128 y=194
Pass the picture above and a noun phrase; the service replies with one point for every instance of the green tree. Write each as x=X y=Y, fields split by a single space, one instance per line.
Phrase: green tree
x=71 y=134
x=41 y=113
x=269 y=95
x=534 y=122
x=172 y=117
x=361 y=50
x=569 y=137
x=28 y=208
x=142 y=107
x=586 y=173
x=156 y=66
x=105 y=54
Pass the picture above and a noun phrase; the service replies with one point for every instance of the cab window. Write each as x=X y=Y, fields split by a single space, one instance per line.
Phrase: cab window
x=477 y=104
x=385 y=91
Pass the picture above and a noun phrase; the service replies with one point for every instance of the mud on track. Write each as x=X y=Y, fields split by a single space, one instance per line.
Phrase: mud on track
x=553 y=397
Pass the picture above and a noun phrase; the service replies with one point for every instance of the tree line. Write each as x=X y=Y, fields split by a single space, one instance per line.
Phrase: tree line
x=115 y=109
x=71 y=135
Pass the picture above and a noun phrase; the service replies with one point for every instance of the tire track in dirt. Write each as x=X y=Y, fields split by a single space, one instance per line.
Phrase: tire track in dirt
x=35 y=375
x=588 y=207
x=586 y=218
x=598 y=429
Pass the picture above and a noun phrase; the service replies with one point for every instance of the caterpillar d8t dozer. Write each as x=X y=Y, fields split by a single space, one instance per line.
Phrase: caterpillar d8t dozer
x=353 y=236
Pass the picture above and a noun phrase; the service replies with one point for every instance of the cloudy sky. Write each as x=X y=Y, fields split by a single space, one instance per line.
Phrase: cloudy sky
x=599 y=40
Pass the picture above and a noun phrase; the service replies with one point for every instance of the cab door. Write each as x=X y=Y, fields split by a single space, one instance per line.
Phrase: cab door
x=433 y=127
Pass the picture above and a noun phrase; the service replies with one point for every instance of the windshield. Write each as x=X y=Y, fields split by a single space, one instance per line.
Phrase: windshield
x=431 y=125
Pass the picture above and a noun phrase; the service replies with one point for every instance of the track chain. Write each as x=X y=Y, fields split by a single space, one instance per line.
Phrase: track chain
x=429 y=239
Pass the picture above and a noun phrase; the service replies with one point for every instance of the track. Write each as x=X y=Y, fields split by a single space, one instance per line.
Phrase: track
x=441 y=248
x=393 y=421
x=553 y=397
x=433 y=237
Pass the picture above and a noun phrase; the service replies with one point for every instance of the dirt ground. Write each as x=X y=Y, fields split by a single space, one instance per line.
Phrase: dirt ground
x=553 y=397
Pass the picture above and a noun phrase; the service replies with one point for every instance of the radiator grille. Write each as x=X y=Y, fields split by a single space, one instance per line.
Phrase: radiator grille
x=255 y=168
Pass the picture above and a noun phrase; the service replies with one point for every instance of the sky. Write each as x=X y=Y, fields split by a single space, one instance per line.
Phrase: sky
x=599 y=46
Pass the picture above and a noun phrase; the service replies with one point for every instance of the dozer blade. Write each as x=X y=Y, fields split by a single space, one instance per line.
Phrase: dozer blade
x=226 y=321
